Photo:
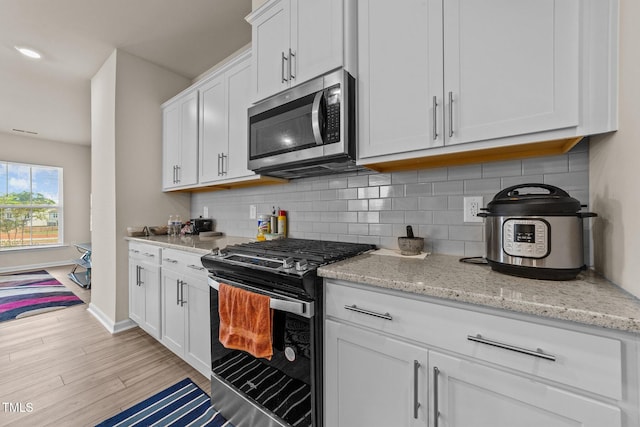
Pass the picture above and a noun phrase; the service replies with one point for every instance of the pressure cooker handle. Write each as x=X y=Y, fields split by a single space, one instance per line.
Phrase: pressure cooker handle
x=553 y=190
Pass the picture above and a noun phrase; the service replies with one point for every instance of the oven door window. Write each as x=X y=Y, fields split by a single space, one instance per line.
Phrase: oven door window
x=282 y=384
x=283 y=129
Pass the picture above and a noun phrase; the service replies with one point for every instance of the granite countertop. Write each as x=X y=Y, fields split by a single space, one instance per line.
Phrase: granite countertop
x=589 y=299
x=192 y=243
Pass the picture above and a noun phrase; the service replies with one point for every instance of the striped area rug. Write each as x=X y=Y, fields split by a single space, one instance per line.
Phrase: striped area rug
x=182 y=405
x=26 y=294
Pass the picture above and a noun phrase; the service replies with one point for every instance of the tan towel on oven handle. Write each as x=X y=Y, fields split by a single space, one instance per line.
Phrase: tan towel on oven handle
x=245 y=321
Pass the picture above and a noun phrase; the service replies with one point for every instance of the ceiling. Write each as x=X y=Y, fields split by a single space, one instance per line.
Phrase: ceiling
x=51 y=96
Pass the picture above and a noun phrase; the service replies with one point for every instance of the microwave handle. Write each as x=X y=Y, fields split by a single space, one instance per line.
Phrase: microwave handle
x=315 y=118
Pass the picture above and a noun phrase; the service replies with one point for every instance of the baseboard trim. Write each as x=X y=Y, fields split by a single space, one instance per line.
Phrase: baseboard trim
x=110 y=325
x=41 y=266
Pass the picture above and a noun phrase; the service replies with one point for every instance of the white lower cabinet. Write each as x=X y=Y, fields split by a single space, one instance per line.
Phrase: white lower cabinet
x=392 y=360
x=465 y=393
x=373 y=380
x=185 y=309
x=169 y=299
x=144 y=287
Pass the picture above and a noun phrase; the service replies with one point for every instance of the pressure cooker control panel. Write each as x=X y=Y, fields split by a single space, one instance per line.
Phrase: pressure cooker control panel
x=527 y=238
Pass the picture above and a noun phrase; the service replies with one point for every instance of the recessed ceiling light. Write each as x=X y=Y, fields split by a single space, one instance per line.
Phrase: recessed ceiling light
x=28 y=52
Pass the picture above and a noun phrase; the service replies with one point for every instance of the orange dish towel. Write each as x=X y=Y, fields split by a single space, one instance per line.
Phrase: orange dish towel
x=245 y=321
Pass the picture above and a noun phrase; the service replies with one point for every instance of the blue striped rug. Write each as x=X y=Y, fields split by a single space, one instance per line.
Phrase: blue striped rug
x=181 y=405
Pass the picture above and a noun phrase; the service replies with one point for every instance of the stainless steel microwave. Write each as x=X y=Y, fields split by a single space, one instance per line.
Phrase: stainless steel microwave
x=305 y=131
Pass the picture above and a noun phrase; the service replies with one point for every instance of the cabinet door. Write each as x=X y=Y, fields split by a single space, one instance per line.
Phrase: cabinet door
x=373 y=380
x=213 y=129
x=172 y=312
x=470 y=394
x=172 y=124
x=511 y=67
x=198 y=339
x=150 y=276
x=317 y=34
x=136 y=293
x=270 y=39
x=238 y=95
x=180 y=142
x=400 y=73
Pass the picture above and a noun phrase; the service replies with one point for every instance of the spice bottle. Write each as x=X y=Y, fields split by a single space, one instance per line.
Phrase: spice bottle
x=282 y=222
x=273 y=220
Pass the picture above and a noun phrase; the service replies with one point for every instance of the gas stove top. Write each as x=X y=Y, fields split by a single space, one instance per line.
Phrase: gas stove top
x=287 y=256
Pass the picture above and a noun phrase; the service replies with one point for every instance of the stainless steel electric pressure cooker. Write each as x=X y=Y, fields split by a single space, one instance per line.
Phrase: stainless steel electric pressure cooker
x=535 y=234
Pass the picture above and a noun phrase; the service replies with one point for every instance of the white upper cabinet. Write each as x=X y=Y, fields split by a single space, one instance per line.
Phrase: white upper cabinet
x=510 y=67
x=435 y=74
x=295 y=41
x=399 y=74
x=180 y=141
x=224 y=99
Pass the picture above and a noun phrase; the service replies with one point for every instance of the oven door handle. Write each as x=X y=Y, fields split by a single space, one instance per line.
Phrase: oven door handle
x=276 y=302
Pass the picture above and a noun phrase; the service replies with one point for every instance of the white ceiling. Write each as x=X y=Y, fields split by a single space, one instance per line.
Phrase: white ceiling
x=51 y=96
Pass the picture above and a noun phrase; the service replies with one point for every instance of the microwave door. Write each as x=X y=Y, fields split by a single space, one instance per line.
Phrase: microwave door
x=317 y=118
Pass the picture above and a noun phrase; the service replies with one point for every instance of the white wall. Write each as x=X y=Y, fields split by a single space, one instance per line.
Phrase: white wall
x=76 y=164
x=127 y=159
x=614 y=172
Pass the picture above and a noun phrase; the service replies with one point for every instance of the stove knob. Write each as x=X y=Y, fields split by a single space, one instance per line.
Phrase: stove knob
x=302 y=265
x=287 y=263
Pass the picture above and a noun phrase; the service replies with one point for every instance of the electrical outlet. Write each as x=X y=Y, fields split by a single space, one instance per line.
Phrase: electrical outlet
x=253 y=212
x=472 y=207
x=205 y=212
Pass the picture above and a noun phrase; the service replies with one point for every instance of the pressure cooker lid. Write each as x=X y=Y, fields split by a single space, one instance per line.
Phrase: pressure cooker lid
x=550 y=201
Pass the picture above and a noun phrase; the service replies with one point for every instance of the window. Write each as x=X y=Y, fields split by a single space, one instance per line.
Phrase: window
x=30 y=205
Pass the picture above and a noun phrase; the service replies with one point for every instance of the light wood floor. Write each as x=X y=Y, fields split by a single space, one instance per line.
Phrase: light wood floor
x=72 y=372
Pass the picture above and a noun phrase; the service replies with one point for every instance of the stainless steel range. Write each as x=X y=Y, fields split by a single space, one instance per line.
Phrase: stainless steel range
x=286 y=390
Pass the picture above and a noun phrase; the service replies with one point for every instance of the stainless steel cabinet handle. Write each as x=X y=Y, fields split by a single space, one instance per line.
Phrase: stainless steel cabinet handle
x=219 y=166
x=357 y=309
x=535 y=353
x=435 y=118
x=291 y=55
x=436 y=410
x=450 y=114
x=172 y=261
x=177 y=291
x=416 y=404
x=174 y=174
x=196 y=267
x=223 y=170
x=284 y=58
x=179 y=173
x=148 y=255
x=182 y=301
x=135 y=251
x=137 y=275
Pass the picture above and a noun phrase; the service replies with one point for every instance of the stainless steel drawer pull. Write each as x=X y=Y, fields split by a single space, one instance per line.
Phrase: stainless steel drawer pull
x=535 y=353
x=357 y=309
x=195 y=267
x=172 y=261
x=416 y=403
x=147 y=254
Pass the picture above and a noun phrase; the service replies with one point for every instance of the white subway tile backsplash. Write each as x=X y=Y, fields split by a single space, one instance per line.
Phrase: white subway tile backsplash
x=446 y=188
x=465 y=172
x=371 y=207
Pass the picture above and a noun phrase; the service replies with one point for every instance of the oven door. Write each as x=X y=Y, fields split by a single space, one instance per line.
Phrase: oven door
x=280 y=392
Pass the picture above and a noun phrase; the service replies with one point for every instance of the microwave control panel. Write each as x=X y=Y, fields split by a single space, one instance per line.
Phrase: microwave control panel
x=333 y=114
x=527 y=238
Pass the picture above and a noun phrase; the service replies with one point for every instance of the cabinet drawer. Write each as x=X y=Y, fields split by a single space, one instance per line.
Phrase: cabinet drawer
x=183 y=261
x=588 y=362
x=143 y=251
